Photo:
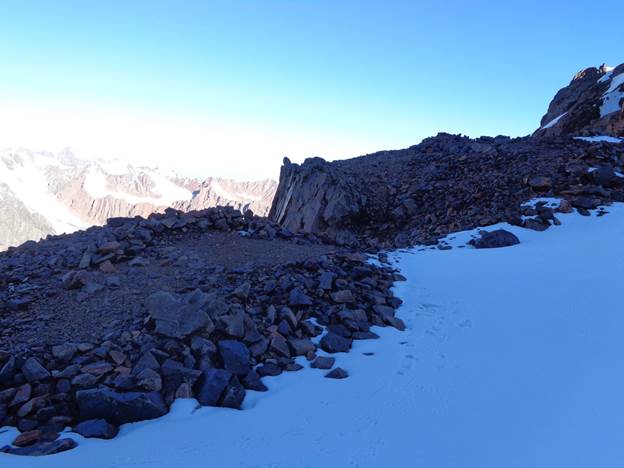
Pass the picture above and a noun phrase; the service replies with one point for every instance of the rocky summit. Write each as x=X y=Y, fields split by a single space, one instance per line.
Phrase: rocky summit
x=592 y=104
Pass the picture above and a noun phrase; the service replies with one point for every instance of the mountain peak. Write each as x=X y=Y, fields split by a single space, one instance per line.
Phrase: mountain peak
x=590 y=105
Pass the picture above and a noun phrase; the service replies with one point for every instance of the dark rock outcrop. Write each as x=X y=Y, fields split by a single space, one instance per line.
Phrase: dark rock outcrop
x=592 y=104
x=119 y=408
x=445 y=184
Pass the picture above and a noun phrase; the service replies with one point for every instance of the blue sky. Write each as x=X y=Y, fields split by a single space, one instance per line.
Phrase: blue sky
x=229 y=88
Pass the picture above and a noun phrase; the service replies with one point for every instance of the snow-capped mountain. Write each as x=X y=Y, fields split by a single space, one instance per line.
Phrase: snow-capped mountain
x=45 y=193
x=592 y=104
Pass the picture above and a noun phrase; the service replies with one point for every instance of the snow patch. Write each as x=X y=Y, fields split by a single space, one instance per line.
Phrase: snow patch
x=612 y=97
x=600 y=138
x=238 y=196
x=164 y=193
x=554 y=121
x=25 y=176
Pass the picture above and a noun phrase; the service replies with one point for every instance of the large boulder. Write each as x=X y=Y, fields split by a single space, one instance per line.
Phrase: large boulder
x=334 y=343
x=119 y=408
x=34 y=371
x=315 y=197
x=178 y=316
x=219 y=387
x=96 y=428
x=235 y=357
x=495 y=239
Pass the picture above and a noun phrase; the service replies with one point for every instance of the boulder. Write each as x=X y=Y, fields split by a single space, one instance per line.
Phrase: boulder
x=252 y=381
x=64 y=352
x=177 y=316
x=119 y=408
x=337 y=373
x=323 y=362
x=333 y=343
x=218 y=387
x=34 y=371
x=301 y=347
x=495 y=239
x=96 y=428
x=298 y=298
x=342 y=297
x=7 y=371
x=235 y=357
x=540 y=183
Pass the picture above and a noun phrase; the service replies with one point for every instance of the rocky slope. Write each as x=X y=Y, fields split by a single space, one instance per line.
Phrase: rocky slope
x=110 y=325
x=447 y=183
x=45 y=193
x=451 y=182
x=592 y=104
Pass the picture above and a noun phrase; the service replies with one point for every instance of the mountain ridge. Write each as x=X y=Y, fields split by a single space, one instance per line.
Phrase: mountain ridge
x=53 y=193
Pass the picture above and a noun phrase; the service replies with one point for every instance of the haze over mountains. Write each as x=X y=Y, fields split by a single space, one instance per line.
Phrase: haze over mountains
x=45 y=193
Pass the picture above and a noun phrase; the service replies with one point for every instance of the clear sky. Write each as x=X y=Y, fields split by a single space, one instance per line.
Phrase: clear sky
x=228 y=88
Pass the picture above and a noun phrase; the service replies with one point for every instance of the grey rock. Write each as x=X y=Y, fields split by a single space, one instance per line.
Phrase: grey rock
x=7 y=372
x=323 y=362
x=252 y=381
x=326 y=280
x=495 y=239
x=64 y=352
x=84 y=380
x=179 y=316
x=298 y=298
x=337 y=373
x=268 y=368
x=235 y=357
x=301 y=347
x=149 y=380
x=119 y=408
x=96 y=428
x=333 y=343
x=146 y=361
x=34 y=371
x=233 y=395
x=211 y=385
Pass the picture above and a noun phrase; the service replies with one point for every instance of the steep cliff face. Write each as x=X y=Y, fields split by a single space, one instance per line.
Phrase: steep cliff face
x=317 y=196
x=592 y=104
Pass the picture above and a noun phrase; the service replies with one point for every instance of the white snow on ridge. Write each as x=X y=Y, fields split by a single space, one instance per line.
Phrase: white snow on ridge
x=27 y=180
x=223 y=193
x=165 y=193
x=600 y=138
x=554 y=121
x=512 y=358
x=612 y=97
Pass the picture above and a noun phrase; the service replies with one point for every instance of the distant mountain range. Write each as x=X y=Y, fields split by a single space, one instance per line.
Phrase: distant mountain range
x=45 y=193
